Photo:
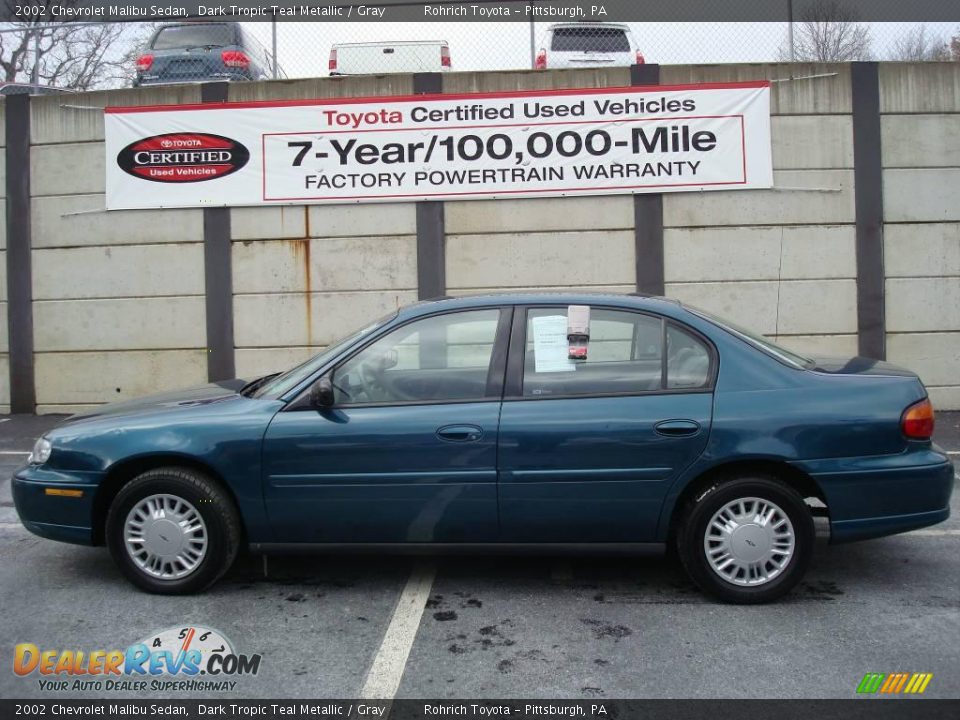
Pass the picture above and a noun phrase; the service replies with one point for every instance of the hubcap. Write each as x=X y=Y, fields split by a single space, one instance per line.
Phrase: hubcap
x=749 y=541
x=165 y=536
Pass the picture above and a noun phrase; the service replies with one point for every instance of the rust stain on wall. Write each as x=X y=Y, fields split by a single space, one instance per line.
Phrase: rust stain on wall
x=301 y=252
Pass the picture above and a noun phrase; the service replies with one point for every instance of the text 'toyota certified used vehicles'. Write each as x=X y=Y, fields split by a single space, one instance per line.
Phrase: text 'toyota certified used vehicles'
x=596 y=421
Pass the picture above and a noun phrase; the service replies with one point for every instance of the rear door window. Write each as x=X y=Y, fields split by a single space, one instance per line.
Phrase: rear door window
x=602 y=40
x=623 y=354
x=180 y=37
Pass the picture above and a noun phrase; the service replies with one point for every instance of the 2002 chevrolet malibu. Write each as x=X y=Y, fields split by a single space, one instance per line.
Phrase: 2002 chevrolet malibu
x=601 y=422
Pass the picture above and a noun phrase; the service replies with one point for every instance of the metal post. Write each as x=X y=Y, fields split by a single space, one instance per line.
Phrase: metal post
x=533 y=43
x=273 y=40
x=35 y=72
x=793 y=57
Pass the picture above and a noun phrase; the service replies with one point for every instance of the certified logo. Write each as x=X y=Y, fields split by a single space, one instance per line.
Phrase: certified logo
x=183 y=157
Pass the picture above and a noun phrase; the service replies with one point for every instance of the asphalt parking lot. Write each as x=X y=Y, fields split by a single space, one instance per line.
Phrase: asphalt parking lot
x=494 y=627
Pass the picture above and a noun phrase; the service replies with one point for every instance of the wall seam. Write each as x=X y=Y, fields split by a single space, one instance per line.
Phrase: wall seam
x=23 y=392
x=431 y=235
x=648 y=213
x=218 y=273
x=868 y=203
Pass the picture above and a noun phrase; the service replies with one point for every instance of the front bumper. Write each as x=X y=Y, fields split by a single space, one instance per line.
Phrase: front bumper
x=57 y=517
x=870 y=497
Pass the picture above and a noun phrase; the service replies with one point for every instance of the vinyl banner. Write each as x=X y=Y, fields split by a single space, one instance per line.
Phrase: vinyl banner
x=432 y=147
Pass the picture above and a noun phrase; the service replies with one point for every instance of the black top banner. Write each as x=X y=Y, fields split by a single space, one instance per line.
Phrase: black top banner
x=53 y=11
x=598 y=709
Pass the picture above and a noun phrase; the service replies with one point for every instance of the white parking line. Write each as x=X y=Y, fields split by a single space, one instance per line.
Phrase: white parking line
x=387 y=668
x=14 y=452
x=936 y=533
x=953 y=452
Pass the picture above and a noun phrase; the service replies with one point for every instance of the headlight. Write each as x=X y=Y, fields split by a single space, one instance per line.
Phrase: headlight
x=41 y=452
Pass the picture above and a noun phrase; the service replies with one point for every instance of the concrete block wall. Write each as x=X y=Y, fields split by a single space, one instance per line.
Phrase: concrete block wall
x=540 y=243
x=4 y=344
x=118 y=306
x=305 y=276
x=920 y=127
x=779 y=261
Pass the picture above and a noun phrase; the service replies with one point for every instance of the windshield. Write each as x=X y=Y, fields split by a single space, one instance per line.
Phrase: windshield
x=755 y=339
x=191 y=36
x=290 y=379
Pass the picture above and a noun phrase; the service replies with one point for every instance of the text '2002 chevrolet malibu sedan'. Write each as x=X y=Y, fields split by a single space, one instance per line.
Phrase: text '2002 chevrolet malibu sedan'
x=555 y=421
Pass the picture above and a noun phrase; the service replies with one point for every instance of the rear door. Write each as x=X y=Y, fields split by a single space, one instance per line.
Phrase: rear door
x=588 y=449
x=190 y=52
x=588 y=46
x=400 y=57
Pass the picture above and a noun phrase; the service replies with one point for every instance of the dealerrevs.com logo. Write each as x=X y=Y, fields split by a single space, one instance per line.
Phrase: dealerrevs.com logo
x=183 y=157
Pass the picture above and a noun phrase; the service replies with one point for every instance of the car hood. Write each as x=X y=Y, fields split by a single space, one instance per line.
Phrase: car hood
x=197 y=396
x=859 y=366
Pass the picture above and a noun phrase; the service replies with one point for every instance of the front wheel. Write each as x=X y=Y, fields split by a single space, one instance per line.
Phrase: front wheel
x=173 y=531
x=746 y=540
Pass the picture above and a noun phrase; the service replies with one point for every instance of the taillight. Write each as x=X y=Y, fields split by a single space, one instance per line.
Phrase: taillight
x=144 y=63
x=444 y=56
x=332 y=65
x=917 y=420
x=640 y=59
x=541 y=62
x=235 y=59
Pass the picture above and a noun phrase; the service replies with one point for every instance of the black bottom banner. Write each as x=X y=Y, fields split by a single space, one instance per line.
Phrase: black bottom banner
x=875 y=709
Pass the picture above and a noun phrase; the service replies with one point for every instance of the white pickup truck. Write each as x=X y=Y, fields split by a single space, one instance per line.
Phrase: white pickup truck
x=406 y=56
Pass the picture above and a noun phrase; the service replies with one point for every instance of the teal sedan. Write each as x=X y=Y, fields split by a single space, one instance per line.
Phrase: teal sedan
x=553 y=422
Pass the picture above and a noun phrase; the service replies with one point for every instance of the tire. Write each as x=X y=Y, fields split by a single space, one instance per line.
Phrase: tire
x=740 y=576
x=185 y=561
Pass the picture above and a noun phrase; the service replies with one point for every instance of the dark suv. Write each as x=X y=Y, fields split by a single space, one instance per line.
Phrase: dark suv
x=201 y=52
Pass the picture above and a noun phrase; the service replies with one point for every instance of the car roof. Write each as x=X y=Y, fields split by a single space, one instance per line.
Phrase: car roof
x=589 y=25
x=663 y=305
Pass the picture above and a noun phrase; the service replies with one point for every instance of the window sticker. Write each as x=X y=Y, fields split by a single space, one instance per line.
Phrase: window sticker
x=550 y=346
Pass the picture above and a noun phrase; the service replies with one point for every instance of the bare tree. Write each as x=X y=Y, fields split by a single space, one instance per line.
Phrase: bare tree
x=828 y=31
x=917 y=44
x=68 y=55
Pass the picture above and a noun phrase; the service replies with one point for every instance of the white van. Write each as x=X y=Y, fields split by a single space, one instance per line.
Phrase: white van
x=588 y=45
x=406 y=56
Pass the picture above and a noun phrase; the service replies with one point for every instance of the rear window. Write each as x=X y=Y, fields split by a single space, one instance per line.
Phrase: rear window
x=181 y=37
x=589 y=39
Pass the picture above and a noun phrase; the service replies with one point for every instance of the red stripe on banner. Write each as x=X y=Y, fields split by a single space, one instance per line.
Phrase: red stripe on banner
x=632 y=89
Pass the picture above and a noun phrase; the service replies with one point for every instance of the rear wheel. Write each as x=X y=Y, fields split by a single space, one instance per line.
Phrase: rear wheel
x=746 y=540
x=173 y=531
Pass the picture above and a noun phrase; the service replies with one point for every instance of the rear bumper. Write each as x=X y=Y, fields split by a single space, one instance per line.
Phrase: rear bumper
x=881 y=495
x=67 y=519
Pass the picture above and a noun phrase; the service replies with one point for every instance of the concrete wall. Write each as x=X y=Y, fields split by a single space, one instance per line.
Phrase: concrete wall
x=119 y=298
x=779 y=261
x=920 y=125
x=305 y=276
x=4 y=356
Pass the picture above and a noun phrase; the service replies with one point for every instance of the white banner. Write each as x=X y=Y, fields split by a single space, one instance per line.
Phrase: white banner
x=435 y=147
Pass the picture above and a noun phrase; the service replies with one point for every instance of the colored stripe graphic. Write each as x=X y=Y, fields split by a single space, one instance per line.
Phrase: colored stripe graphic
x=870 y=683
x=894 y=683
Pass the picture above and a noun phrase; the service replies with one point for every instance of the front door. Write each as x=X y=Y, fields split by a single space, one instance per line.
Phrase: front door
x=408 y=451
x=588 y=448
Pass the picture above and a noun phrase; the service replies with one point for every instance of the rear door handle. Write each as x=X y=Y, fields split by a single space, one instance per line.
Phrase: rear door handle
x=677 y=428
x=460 y=433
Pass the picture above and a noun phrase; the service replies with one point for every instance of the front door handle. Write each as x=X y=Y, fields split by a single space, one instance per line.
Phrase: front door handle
x=460 y=433
x=677 y=428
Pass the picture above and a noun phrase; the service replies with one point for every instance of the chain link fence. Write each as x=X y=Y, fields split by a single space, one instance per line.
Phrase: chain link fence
x=78 y=56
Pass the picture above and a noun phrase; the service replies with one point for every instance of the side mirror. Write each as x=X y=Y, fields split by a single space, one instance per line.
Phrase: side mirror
x=321 y=393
